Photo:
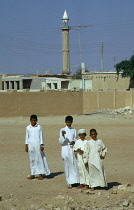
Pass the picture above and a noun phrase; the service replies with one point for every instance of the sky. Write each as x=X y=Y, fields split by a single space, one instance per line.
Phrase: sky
x=31 y=39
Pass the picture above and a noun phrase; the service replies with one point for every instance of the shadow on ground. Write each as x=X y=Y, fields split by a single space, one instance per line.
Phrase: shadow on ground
x=52 y=175
x=112 y=184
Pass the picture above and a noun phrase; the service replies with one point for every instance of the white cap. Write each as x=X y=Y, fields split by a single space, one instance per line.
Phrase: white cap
x=82 y=131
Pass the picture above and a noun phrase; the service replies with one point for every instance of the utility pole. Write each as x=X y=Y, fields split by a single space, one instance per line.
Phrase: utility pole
x=102 y=58
x=78 y=29
x=114 y=62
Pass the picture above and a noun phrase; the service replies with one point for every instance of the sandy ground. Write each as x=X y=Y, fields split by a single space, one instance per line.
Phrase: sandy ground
x=17 y=192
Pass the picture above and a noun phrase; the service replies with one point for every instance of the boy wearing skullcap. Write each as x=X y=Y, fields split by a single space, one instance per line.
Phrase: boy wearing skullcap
x=80 y=149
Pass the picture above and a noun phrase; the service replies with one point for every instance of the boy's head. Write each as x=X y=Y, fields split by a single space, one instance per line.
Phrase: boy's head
x=33 y=119
x=69 y=121
x=82 y=134
x=93 y=133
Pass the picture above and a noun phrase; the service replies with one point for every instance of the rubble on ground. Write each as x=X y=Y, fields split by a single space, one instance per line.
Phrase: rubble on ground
x=119 y=197
x=128 y=110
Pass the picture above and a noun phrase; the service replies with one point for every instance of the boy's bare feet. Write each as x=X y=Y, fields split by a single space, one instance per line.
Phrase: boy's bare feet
x=92 y=189
x=69 y=186
x=40 y=177
x=86 y=187
x=31 y=177
x=80 y=186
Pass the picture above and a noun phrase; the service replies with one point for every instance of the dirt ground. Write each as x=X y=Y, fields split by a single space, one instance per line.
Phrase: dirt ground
x=18 y=193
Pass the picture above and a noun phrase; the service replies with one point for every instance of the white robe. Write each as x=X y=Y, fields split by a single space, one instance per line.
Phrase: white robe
x=95 y=149
x=68 y=156
x=34 y=139
x=83 y=172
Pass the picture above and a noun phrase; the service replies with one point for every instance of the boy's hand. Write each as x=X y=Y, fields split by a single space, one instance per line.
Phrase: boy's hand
x=80 y=151
x=26 y=147
x=101 y=157
x=63 y=133
x=86 y=165
x=41 y=148
x=72 y=142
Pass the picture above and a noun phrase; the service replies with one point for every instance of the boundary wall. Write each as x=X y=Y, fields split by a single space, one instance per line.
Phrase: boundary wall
x=107 y=99
x=13 y=103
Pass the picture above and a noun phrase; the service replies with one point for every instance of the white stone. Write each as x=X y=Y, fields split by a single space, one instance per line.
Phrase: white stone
x=41 y=209
x=131 y=205
x=132 y=189
x=60 y=197
x=114 y=191
x=80 y=191
x=70 y=199
x=123 y=187
x=126 y=203
x=99 y=193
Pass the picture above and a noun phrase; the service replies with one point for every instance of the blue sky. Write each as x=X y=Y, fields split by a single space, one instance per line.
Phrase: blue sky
x=31 y=39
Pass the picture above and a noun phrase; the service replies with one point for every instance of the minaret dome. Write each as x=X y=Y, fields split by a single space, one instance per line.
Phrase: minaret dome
x=65 y=17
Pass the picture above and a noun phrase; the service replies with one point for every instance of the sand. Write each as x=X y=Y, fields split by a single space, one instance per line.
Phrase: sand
x=51 y=193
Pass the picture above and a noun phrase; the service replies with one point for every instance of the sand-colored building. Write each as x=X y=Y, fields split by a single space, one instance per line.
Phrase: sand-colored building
x=42 y=82
x=108 y=80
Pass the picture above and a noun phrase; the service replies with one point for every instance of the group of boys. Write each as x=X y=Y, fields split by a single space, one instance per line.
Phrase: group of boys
x=82 y=158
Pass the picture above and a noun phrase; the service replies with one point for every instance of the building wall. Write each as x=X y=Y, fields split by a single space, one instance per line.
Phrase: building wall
x=37 y=83
x=108 y=81
x=107 y=99
x=40 y=103
x=77 y=83
x=61 y=102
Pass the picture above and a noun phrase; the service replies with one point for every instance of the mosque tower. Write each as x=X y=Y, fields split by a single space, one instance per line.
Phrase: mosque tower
x=65 y=44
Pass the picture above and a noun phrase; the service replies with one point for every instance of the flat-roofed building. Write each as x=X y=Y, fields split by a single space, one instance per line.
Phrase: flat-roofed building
x=43 y=82
x=108 y=80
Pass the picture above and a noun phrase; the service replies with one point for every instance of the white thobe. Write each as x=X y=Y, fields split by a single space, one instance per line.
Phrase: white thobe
x=83 y=172
x=68 y=156
x=97 y=176
x=34 y=139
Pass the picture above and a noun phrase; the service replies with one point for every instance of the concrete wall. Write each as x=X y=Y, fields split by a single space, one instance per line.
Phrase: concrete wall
x=15 y=103
x=107 y=99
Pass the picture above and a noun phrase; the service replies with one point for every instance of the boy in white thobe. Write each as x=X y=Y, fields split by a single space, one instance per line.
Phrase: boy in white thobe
x=34 y=145
x=67 y=139
x=79 y=149
x=96 y=152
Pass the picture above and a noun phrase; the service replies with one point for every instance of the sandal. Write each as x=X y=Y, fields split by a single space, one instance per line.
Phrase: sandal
x=40 y=177
x=31 y=177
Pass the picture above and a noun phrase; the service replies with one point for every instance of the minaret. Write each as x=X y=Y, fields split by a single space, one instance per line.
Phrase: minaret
x=65 y=44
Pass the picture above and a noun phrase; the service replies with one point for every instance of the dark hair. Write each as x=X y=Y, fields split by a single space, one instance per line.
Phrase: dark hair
x=69 y=118
x=93 y=130
x=33 y=116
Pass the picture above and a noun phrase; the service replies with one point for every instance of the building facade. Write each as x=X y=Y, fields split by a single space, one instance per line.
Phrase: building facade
x=109 y=80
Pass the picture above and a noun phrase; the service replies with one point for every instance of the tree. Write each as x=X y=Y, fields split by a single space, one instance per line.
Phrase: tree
x=77 y=74
x=127 y=68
